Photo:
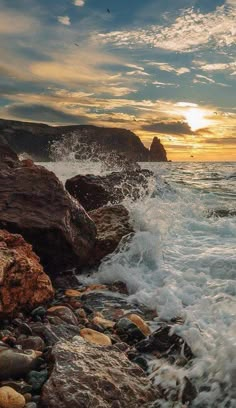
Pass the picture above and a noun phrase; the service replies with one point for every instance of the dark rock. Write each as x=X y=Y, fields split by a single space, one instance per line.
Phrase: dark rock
x=25 y=329
x=128 y=331
x=165 y=343
x=113 y=224
x=20 y=386
x=157 y=151
x=221 y=212
x=97 y=191
x=189 y=392
x=87 y=375
x=7 y=156
x=64 y=313
x=23 y=283
x=36 y=379
x=39 y=311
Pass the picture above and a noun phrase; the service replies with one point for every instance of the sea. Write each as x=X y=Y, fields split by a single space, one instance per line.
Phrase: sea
x=181 y=262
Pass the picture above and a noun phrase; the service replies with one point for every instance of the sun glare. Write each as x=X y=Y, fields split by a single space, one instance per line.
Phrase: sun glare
x=196 y=118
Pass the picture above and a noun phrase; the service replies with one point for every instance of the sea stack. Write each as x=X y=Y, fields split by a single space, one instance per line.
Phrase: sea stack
x=157 y=151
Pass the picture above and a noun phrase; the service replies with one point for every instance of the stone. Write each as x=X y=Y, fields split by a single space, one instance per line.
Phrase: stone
x=9 y=398
x=31 y=405
x=95 y=337
x=189 y=392
x=39 y=311
x=64 y=313
x=157 y=151
x=36 y=379
x=15 y=363
x=106 y=324
x=142 y=325
x=128 y=331
x=24 y=329
x=32 y=343
x=20 y=386
x=113 y=223
x=23 y=282
x=34 y=203
x=72 y=293
x=94 y=192
x=85 y=375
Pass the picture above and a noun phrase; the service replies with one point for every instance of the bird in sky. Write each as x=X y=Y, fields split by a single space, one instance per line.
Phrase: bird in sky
x=77 y=45
x=108 y=11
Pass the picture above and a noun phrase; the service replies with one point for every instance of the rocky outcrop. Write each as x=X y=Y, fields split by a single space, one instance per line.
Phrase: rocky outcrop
x=23 y=283
x=7 y=155
x=113 y=223
x=96 y=191
x=34 y=203
x=36 y=139
x=85 y=375
x=157 y=151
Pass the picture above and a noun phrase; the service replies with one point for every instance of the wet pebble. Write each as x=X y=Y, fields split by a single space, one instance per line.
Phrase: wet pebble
x=32 y=343
x=9 y=398
x=36 y=379
x=64 y=313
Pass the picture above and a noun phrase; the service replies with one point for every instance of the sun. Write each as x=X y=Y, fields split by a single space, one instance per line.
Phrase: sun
x=196 y=118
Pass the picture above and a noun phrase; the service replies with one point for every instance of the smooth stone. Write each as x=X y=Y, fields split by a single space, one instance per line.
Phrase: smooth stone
x=25 y=329
x=128 y=331
x=9 y=398
x=73 y=293
x=64 y=313
x=39 y=311
x=32 y=343
x=140 y=323
x=95 y=337
x=15 y=363
x=31 y=405
x=106 y=324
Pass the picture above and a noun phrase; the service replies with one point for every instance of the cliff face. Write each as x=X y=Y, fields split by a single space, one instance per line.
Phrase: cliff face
x=35 y=139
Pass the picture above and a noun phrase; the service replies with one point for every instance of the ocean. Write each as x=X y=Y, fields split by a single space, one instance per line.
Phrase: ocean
x=182 y=262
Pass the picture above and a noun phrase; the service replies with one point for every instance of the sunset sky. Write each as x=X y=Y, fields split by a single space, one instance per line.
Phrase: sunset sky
x=163 y=68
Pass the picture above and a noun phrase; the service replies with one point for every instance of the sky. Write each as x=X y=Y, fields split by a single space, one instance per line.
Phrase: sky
x=163 y=68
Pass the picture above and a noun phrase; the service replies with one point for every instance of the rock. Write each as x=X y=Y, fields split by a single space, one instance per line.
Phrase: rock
x=31 y=405
x=113 y=223
x=36 y=379
x=24 y=329
x=32 y=343
x=39 y=311
x=34 y=203
x=128 y=331
x=23 y=283
x=8 y=158
x=9 y=398
x=73 y=293
x=157 y=151
x=94 y=337
x=189 y=392
x=20 y=386
x=64 y=313
x=106 y=324
x=164 y=342
x=15 y=363
x=94 y=192
x=86 y=375
x=142 y=325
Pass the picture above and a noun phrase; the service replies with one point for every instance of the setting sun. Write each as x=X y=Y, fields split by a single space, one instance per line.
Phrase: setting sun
x=196 y=118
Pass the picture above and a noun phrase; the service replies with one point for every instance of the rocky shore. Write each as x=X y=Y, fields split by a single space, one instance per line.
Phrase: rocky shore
x=65 y=344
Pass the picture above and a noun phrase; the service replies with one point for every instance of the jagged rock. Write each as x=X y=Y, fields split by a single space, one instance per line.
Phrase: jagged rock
x=113 y=223
x=7 y=156
x=34 y=203
x=86 y=375
x=157 y=151
x=23 y=283
x=97 y=191
x=64 y=313
x=15 y=363
x=9 y=398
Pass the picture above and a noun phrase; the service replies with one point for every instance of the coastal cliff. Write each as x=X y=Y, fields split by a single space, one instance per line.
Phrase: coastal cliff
x=36 y=139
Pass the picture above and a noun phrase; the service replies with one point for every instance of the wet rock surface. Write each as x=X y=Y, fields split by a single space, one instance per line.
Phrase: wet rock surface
x=23 y=283
x=97 y=191
x=112 y=223
x=85 y=375
x=34 y=203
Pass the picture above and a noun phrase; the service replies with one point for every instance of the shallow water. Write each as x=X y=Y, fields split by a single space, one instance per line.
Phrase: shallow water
x=183 y=263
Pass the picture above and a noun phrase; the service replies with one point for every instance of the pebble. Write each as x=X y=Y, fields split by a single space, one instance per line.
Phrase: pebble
x=9 y=398
x=140 y=323
x=95 y=337
x=15 y=363
x=64 y=313
x=37 y=379
x=20 y=386
x=32 y=343
x=106 y=324
x=25 y=329
x=39 y=311
x=128 y=331
x=73 y=293
x=31 y=405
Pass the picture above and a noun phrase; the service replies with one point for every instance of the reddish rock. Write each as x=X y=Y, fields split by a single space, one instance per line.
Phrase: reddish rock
x=97 y=191
x=113 y=223
x=23 y=283
x=34 y=203
x=86 y=375
x=157 y=151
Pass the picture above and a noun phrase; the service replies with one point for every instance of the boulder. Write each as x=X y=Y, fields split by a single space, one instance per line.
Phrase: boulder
x=112 y=223
x=23 y=282
x=157 y=151
x=97 y=191
x=85 y=375
x=34 y=203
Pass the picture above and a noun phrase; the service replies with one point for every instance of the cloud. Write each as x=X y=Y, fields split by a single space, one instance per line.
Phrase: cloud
x=42 y=113
x=65 y=20
x=209 y=80
x=163 y=84
x=222 y=141
x=191 y=30
x=12 y=23
x=79 y=3
x=169 y=128
x=169 y=68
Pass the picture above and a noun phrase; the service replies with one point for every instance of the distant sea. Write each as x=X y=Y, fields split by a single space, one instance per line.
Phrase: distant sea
x=182 y=262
